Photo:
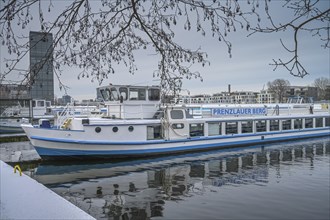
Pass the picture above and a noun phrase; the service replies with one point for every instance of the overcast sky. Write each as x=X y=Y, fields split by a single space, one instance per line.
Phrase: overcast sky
x=248 y=69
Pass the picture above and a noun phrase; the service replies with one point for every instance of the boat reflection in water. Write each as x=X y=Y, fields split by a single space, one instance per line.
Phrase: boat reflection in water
x=254 y=182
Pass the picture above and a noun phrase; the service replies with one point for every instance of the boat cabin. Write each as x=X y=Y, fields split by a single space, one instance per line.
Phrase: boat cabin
x=180 y=123
x=177 y=123
x=28 y=108
x=129 y=102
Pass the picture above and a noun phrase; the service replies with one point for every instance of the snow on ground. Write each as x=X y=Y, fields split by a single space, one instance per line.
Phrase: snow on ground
x=24 y=198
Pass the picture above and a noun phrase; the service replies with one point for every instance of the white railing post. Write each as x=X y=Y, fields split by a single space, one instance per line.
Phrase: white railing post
x=66 y=113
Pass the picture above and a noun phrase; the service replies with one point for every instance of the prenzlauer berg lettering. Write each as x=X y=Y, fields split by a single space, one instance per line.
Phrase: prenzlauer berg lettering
x=239 y=111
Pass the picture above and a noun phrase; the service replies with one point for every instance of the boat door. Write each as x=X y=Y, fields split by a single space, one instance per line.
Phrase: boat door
x=178 y=127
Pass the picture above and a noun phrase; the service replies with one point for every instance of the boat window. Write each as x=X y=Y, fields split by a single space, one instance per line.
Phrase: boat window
x=48 y=103
x=247 y=127
x=214 y=128
x=231 y=127
x=123 y=91
x=33 y=103
x=196 y=129
x=105 y=94
x=327 y=121
x=97 y=129
x=298 y=123
x=318 y=122
x=133 y=94
x=154 y=94
x=115 y=129
x=130 y=128
x=274 y=125
x=40 y=103
x=108 y=95
x=114 y=94
x=178 y=126
x=261 y=126
x=177 y=114
x=308 y=123
x=286 y=124
x=154 y=132
x=137 y=94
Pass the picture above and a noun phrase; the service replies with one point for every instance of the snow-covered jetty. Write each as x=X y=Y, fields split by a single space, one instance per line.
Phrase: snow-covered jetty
x=21 y=197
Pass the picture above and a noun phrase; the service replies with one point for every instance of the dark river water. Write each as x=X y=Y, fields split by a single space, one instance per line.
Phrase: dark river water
x=289 y=180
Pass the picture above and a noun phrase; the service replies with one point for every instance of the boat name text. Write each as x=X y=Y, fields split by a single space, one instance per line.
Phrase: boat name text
x=239 y=111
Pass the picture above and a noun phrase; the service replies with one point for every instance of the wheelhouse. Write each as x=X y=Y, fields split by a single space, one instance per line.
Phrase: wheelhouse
x=120 y=93
x=130 y=102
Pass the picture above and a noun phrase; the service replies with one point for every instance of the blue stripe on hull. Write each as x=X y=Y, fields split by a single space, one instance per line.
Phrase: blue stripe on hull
x=178 y=141
x=47 y=152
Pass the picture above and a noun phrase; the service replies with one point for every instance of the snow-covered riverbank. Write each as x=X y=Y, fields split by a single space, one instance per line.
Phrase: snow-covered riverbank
x=22 y=197
x=18 y=152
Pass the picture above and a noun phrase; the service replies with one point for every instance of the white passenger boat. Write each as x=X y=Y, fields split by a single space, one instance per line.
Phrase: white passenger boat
x=138 y=125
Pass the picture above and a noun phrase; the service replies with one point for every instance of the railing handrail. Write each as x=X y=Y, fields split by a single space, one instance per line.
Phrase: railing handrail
x=66 y=113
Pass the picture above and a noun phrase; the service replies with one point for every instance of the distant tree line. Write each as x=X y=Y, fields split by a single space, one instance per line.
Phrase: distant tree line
x=279 y=88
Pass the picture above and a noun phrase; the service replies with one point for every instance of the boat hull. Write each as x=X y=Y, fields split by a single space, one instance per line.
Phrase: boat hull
x=51 y=146
x=10 y=129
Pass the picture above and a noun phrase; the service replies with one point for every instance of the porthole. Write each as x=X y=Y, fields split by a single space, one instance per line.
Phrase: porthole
x=115 y=129
x=130 y=128
x=97 y=129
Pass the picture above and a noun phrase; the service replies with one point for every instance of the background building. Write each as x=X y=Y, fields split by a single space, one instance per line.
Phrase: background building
x=41 y=66
x=14 y=91
x=327 y=93
x=264 y=96
x=302 y=91
x=306 y=94
x=66 y=99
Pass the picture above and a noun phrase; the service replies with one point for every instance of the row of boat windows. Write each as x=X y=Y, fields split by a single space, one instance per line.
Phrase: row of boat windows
x=243 y=127
x=124 y=93
x=153 y=132
x=114 y=129
x=41 y=103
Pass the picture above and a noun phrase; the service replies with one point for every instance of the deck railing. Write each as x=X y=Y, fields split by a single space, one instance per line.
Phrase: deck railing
x=62 y=116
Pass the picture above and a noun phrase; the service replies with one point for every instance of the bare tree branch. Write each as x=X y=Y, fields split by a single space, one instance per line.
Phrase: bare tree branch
x=306 y=12
x=96 y=36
